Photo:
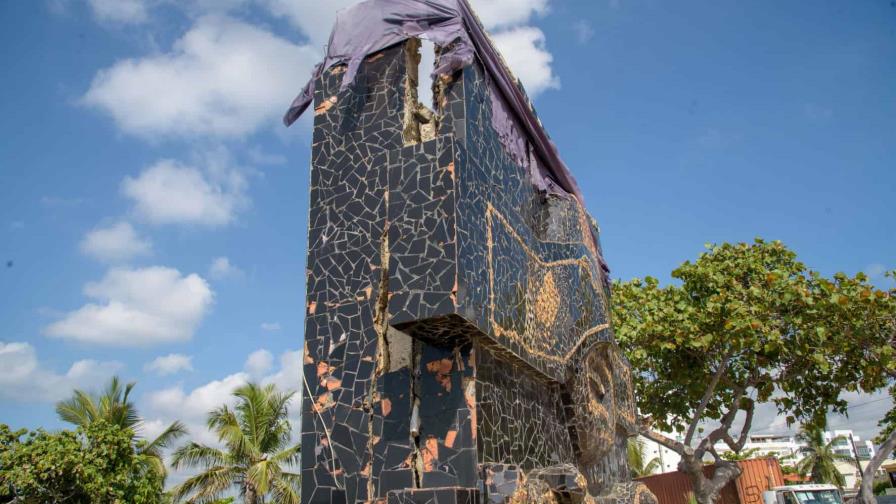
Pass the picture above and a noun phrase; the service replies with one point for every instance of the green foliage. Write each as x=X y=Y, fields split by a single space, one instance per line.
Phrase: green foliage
x=819 y=459
x=257 y=457
x=881 y=486
x=766 y=325
x=113 y=407
x=97 y=463
x=743 y=455
x=637 y=459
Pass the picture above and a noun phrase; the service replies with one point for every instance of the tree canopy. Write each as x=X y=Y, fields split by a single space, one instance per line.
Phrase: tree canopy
x=114 y=407
x=746 y=324
x=94 y=464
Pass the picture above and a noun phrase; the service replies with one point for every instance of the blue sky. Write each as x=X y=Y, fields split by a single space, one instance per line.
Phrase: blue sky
x=153 y=210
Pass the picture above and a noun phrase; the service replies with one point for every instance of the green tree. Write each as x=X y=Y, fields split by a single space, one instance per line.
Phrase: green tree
x=743 y=455
x=96 y=464
x=819 y=460
x=868 y=346
x=637 y=459
x=257 y=457
x=746 y=324
x=114 y=407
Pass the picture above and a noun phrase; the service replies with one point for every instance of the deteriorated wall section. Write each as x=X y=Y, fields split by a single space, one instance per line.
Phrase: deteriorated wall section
x=457 y=344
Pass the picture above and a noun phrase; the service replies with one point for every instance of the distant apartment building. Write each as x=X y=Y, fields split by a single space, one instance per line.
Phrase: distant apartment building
x=789 y=446
x=786 y=447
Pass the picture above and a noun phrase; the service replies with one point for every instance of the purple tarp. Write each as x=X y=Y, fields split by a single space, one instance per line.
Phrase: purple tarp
x=374 y=25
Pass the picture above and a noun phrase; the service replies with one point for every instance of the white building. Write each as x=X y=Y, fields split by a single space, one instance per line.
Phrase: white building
x=788 y=446
x=783 y=446
x=668 y=459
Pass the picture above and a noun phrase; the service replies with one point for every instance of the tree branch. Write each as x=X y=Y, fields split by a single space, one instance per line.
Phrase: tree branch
x=662 y=440
x=866 y=493
x=721 y=432
x=710 y=390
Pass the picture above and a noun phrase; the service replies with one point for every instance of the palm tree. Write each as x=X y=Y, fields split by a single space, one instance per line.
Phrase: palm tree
x=819 y=458
x=637 y=463
x=113 y=406
x=257 y=456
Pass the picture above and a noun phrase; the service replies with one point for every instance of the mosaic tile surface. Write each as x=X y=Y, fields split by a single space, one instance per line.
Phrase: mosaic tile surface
x=457 y=343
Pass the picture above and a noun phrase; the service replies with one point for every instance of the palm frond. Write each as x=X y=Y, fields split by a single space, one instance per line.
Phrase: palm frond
x=261 y=474
x=287 y=489
x=206 y=486
x=168 y=436
x=229 y=427
x=197 y=455
x=290 y=456
x=78 y=410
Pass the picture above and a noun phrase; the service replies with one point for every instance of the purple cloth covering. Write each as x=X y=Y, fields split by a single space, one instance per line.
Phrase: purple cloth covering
x=373 y=25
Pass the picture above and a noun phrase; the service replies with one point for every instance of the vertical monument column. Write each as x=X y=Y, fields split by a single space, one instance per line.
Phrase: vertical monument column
x=457 y=346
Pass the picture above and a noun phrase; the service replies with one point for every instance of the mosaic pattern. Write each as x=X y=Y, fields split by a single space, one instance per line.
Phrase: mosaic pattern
x=457 y=343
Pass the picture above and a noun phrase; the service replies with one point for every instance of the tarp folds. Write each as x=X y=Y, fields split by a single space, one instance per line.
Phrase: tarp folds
x=374 y=25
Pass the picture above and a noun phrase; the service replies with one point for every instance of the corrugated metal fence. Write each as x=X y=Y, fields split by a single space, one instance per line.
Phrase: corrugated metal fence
x=758 y=476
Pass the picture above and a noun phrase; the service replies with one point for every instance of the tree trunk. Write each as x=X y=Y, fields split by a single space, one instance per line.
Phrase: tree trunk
x=251 y=496
x=707 y=490
x=866 y=493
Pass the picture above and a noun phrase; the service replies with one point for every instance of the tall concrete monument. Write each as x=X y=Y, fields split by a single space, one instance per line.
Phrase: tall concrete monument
x=457 y=346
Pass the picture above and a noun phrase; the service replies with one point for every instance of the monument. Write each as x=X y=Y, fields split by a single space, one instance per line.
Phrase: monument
x=457 y=343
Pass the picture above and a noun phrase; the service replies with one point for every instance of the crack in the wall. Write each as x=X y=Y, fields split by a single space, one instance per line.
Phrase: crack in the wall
x=416 y=393
x=420 y=122
x=381 y=324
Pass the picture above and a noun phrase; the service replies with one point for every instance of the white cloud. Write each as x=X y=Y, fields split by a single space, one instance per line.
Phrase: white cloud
x=289 y=377
x=167 y=405
x=260 y=157
x=270 y=326
x=170 y=364
x=498 y=13
x=314 y=18
x=524 y=51
x=192 y=406
x=259 y=362
x=24 y=379
x=584 y=31
x=117 y=242
x=221 y=269
x=138 y=307
x=119 y=11
x=223 y=78
x=169 y=192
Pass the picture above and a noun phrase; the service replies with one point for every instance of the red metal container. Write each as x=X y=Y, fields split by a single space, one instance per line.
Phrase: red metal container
x=758 y=476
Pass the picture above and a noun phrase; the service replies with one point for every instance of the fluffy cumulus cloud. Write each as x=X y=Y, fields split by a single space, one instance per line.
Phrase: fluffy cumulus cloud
x=192 y=406
x=224 y=77
x=313 y=18
x=170 y=192
x=24 y=378
x=524 y=51
x=120 y=11
x=169 y=364
x=221 y=269
x=116 y=242
x=134 y=307
x=499 y=13
x=289 y=377
x=259 y=362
